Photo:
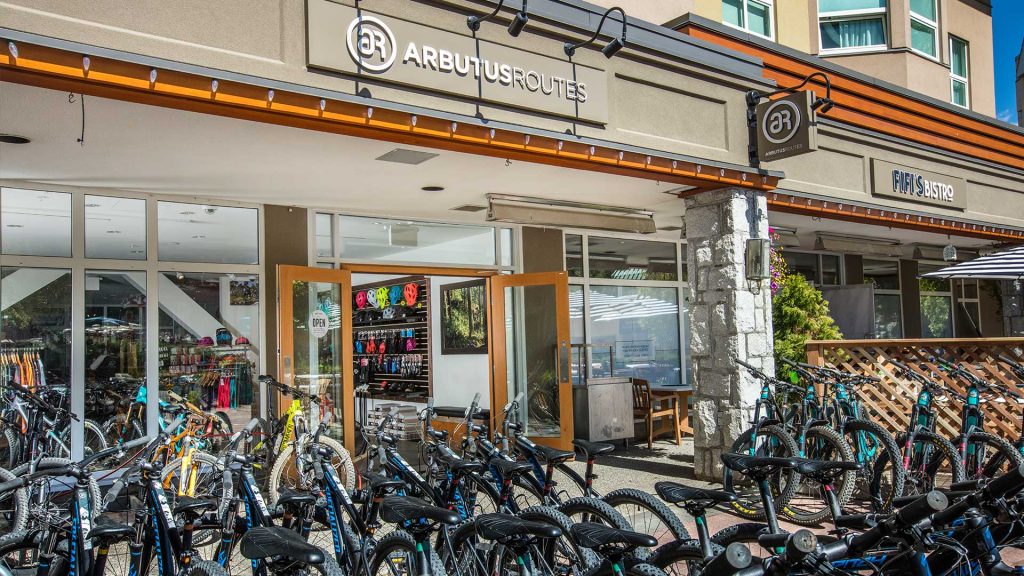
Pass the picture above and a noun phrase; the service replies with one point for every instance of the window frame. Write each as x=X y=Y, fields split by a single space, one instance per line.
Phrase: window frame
x=954 y=77
x=820 y=269
x=850 y=15
x=947 y=294
x=933 y=24
x=889 y=292
x=769 y=4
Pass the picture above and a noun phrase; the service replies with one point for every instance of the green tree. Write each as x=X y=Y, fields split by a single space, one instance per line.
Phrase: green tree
x=799 y=313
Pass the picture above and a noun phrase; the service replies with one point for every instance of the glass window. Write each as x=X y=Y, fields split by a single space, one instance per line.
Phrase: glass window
x=574 y=255
x=888 y=317
x=204 y=233
x=35 y=351
x=924 y=27
x=623 y=259
x=924 y=8
x=507 y=247
x=936 y=316
x=35 y=223
x=115 y=353
x=324 y=235
x=732 y=12
x=115 y=228
x=209 y=324
x=802 y=263
x=421 y=242
x=830 y=275
x=577 y=337
x=958 y=72
x=851 y=25
x=750 y=15
x=884 y=274
x=635 y=333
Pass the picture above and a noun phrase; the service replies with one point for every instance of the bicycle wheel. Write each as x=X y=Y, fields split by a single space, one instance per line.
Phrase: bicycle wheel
x=642 y=569
x=203 y=477
x=52 y=496
x=204 y=568
x=9 y=447
x=880 y=482
x=808 y=505
x=395 y=555
x=989 y=456
x=94 y=438
x=681 y=558
x=478 y=495
x=933 y=463
x=469 y=555
x=771 y=440
x=584 y=509
x=647 y=514
x=19 y=555
x=284 y=474
x=13 y=506
x=744 y=533
x=568 y=483
x=526 y=493
x=562 y=554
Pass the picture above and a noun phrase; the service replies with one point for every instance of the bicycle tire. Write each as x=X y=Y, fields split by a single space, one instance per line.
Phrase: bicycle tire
x=44 y=463
x=585 y=509
x=820 y=443
x=9 y=449
x=203 y=568
x=887 y=462
x=632 y=503
x=673 y=557
x=346 y=469
x=924 y=478
x=585 y=559
x=526 y=492
x=481 y=490
x=18 y=552
x=642 y=569
x=13 y=506
x=744 y=533
x=568 y=482
x=1005 y=454
x=749 y=505
x=98 y=442
x=399 y=541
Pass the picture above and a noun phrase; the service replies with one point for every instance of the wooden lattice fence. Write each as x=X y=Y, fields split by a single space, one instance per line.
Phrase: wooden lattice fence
x=889 y=402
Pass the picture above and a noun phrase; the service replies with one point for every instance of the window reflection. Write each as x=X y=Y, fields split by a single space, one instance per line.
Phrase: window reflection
x=204 y=233
x=36 y=223
x=635 y=333
x=624 y=259
x=115 y=228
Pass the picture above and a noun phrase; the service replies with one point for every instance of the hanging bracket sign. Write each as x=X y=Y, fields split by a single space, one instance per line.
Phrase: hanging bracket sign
x=786 y=127
x=387 y=49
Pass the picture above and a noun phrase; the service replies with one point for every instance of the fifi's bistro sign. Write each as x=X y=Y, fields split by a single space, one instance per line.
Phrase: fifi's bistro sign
x=895 y=181
x=369 y=45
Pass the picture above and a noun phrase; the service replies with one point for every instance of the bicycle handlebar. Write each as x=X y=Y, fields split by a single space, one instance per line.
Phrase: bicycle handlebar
x=43 y=405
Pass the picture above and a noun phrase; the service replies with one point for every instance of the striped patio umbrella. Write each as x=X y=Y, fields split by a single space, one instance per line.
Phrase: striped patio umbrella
x=1005 y=265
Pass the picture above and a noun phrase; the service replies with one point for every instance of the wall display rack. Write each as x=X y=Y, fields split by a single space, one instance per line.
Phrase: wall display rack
x=391 y=338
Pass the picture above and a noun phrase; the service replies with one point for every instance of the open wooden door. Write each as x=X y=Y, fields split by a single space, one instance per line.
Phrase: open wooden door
x=314 y=326
x=531 y=353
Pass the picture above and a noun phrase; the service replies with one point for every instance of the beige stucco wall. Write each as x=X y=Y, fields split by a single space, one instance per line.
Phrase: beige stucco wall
x=972 y=21
x=655 y=11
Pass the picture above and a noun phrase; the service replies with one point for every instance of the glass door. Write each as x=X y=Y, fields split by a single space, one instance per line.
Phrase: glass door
x=531 y=353
x=314 y=337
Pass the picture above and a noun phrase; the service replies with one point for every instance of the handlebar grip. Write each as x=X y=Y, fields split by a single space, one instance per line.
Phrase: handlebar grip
x=113 y=493
x=744 y=364
x=855 y=521
x=12 y=485
x=899 y=364
x=1012 y=481
x=952 y=513
x=800 y=544
x=735 y=557
x=975 y=484
x=922 y=508
x=773 y=540
x=133 y=444
x=478 y=428
x=437 y=434
x=251 y=426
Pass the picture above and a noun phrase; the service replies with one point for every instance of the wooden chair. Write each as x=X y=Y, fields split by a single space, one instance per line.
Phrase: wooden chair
x=645 y=408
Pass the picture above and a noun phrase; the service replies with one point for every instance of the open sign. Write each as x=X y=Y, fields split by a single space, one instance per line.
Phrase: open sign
x=319 y=324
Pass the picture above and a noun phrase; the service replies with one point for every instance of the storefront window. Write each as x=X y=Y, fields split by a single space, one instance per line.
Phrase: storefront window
x=577 y=336
x=625 y=259
x=819 y=269
x=205 y=233
x=574 y=255
x=115 y=353
x=35 y=223
x=936 y=304
x=36 y=344
x=420 y=242
x=209 y=325
x=885 y=276
x=640 y=326
x=115 y=228
x=507 y=247
x=324 y=236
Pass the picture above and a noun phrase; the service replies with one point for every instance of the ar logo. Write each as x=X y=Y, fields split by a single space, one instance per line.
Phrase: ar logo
x=781 y=122
x=371 y=44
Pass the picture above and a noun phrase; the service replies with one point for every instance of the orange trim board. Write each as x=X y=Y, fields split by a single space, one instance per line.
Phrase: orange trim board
x=56 y=69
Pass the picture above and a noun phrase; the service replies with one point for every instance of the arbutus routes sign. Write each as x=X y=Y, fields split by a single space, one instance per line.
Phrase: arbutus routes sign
x=786 y=127
x=386 y=49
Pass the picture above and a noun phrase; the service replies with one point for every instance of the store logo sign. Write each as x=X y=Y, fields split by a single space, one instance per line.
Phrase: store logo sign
x=786 y=127
x=392 y=50
x=922 y=186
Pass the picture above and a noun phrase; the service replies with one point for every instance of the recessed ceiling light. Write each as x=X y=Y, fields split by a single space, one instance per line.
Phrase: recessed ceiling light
x=13 y=139
x=187 y=213
x=15 y=226
x=113 y=231
x=198 y=237
x=137 y=251
x=92 y=205
x=432 y=188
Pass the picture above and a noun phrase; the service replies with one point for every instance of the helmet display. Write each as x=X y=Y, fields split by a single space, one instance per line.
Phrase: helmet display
x=371 y=298
x=382 y=297
x=412 y=292
x=395 y=295
x=360 y=300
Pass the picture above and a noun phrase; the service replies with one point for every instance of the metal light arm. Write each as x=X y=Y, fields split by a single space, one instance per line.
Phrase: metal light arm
x=570 y=48
x=826 y=103
x=474 y=21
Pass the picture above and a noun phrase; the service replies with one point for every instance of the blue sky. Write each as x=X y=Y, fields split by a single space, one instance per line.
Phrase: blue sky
x=1007 y=31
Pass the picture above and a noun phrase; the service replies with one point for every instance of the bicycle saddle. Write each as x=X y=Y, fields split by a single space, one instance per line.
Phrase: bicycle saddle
x=502 y=527
x=269 y=541
x=509 y=468
x=757 y=466
x=594 y=535
x=824 y=471
x=397 y=509
x=592 y=449
x=552 y=455
x=289 y=497
x=677 y=493
x=106 y=530
x=379 y=482
x=189 y=506
x=459 y=465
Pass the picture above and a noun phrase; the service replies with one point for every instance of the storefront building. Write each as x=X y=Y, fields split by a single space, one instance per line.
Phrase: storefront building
x=381 y=196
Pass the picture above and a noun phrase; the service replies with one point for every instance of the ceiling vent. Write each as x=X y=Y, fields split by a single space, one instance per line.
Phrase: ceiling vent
x=470 y=208
x=404 y=156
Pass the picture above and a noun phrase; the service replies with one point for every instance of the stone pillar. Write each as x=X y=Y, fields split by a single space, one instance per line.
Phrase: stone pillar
x=730 y=317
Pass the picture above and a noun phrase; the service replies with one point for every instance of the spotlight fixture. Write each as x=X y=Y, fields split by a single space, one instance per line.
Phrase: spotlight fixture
x=514 y=28
x=13 y=139
x=822 y=105
x=612 y=47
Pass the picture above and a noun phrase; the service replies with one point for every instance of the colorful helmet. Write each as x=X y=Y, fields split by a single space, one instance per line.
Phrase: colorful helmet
x=241 y=341
x=411 y=291
x=382 y=297
x=371 y=298
x=395 y=295
x=205 y=341
x=389 y=313
x=223 y=337
x=360 y=300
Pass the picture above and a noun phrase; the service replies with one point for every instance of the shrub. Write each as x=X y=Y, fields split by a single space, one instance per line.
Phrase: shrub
x=799 y=313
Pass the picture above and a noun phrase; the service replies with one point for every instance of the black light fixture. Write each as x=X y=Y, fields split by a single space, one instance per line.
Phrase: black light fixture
x=13 y=139
x=612 y=47
x=514 y=28
x=822 y=105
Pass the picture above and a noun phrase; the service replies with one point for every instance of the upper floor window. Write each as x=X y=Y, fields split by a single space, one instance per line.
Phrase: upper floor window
x=958 y=72
x=751 y=15
x=924 y=27
x=851 y=25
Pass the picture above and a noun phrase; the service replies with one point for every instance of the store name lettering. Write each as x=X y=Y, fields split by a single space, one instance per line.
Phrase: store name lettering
x=913 y=184
x=446 y=61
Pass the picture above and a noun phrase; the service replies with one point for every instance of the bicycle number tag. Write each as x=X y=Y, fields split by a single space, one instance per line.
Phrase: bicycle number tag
x=84 y=519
